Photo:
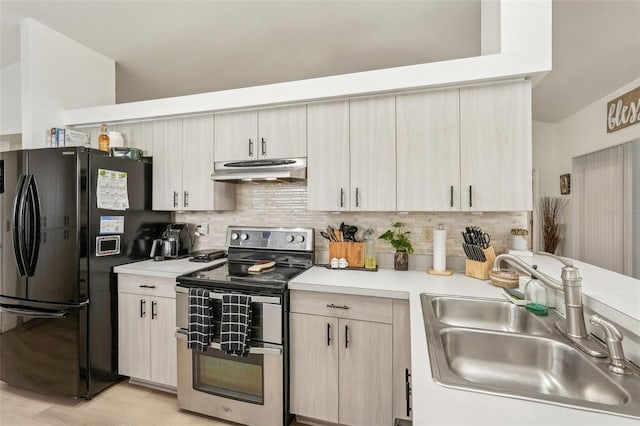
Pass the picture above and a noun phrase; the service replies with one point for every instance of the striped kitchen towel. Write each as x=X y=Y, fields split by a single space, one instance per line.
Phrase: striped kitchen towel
x=235 y=326
x=200 y=324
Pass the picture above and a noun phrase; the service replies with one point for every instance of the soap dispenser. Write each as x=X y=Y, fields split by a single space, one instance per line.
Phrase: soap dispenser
x=535 y=291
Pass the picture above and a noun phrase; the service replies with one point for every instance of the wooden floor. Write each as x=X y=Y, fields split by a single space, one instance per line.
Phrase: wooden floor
x=121 y=404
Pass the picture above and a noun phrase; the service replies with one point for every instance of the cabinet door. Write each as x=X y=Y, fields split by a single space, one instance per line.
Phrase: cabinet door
x=402 y=404
x=283 y=132
x=137 y=135
x=365 y=378
x=313 y=366
x=328 y=156
x=495 y=146
x=167 y=164
x=197 y=158
x=428 y=149
x=236 y=136
x=133 y=335
x=373 y=154
x=163 y=350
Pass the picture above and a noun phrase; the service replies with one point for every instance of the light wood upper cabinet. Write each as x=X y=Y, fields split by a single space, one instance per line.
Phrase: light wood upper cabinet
x=428 y=150
x=236 y=136
x=136 y=135
x=495 y=147
x=328 y=156
x=263 y=134
x=167 y=164
x=283 y=132
x=183 y=162
x=373 y=153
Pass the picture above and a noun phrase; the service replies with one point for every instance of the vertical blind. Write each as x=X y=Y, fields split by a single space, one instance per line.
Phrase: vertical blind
x=603 y=208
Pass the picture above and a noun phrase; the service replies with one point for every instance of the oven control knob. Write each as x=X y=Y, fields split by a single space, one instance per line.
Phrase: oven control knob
x=234 y=236
x=300 y=239
x=290 y=238
x=244 y=237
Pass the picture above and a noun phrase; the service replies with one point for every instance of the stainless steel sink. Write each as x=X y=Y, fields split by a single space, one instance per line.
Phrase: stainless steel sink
x=487 y=314
x=493 y=346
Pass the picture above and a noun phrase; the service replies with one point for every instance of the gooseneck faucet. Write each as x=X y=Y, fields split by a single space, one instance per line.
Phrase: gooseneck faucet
x=574 y=327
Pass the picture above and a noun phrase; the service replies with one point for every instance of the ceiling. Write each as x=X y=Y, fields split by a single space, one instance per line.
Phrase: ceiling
x=172 y=48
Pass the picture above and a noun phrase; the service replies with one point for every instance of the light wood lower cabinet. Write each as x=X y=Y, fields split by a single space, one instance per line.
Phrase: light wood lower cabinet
x=146 y=327
x=347 y=370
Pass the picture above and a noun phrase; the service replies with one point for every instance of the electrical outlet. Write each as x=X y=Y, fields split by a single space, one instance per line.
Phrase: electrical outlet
x=427 y=234
x=202 y=229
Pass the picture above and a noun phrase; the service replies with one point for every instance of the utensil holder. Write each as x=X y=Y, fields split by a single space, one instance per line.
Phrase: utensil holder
x=351 y=251
x=480 y=270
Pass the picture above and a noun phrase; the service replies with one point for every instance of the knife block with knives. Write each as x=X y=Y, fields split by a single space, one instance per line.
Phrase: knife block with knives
x=480 y=270
x=353 y=252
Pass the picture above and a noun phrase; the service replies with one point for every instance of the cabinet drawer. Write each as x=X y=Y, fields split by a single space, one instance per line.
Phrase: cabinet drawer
x=364 y=308
x=152 y=286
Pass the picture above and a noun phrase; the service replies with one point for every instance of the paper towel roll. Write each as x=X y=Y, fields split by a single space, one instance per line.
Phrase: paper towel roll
x=439 y=250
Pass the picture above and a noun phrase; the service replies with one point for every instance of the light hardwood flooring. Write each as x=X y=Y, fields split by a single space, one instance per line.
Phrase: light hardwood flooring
x=120 y=404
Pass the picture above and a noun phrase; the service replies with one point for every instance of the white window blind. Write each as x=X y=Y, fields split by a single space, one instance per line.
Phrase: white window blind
x=603 y=208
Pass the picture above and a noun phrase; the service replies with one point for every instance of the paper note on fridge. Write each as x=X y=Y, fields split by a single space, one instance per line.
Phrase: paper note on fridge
x=111 y=225
x=111 y=190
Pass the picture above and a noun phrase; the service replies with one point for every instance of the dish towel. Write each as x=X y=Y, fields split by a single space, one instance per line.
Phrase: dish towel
x=200 y=327
x=235 y=325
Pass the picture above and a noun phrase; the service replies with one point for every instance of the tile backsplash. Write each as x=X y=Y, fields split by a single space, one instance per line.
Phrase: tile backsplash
x=285 y=204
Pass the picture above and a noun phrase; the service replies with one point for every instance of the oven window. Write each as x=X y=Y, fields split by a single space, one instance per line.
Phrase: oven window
x=240 y=378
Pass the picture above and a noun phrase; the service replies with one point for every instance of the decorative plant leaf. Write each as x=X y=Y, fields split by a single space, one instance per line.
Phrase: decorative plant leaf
x=399 y=240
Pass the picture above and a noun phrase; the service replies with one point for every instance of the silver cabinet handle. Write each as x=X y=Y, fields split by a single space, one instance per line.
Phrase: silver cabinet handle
x=175 y=198
x=331 y=305
x=185 y=198
x=250 y=148
x=264 y=147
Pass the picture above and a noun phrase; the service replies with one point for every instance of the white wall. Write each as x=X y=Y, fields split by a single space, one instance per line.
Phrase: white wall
x=579 y=134
x=58 y=73
x=525 y=51
x=10 y=102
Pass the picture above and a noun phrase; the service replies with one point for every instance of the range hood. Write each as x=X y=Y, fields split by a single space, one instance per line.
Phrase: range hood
x=282 y=170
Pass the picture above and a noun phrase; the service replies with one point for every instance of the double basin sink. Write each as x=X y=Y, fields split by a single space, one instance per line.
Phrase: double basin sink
x=496 y=347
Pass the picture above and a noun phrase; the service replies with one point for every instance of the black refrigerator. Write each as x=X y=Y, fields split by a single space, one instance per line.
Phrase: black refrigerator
x=65 y=225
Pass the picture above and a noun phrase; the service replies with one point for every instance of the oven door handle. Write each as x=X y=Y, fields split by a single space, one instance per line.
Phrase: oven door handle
x=254 y=299
x=182 y=335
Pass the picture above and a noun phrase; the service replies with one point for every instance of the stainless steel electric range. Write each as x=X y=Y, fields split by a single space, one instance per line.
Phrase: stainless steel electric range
x=252 y=389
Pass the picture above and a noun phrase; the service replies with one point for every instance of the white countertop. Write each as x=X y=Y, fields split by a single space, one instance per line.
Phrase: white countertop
x=434 y=404
x=164 y=268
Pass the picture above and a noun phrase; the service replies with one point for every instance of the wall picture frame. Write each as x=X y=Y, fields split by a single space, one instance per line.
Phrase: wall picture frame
x=565 y=184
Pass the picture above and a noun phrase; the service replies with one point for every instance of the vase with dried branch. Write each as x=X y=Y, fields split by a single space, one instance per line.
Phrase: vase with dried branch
x=551 y=212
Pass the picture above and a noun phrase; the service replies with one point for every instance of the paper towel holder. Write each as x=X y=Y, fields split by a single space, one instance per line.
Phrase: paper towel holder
x=446 y=272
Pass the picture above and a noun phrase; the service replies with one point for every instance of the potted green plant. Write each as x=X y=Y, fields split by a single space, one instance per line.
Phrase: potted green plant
x=399 y=240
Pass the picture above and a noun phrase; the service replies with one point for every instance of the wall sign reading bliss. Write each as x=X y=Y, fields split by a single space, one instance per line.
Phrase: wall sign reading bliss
x=623 y=111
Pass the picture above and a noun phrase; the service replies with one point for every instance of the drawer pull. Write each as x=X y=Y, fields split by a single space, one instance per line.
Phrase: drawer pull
x=146 y=286
x=331 y=305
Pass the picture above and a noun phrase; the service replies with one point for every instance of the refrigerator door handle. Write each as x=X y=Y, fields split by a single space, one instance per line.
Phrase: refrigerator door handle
x=18 y=226
x=33 y=313
x=33 y=199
